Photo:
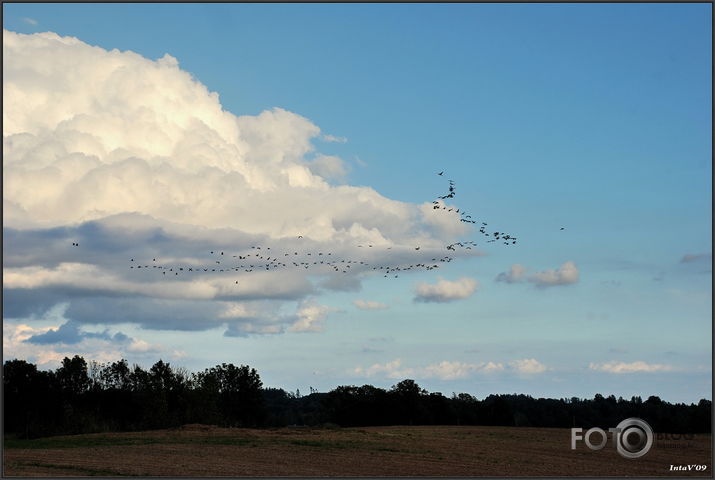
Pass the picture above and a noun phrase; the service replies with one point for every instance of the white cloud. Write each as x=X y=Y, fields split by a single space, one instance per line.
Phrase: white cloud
x=566 y=274
x=310 y=317
x=624 y=367
x=135 y=158
x=29 y=20
x=515 y=274
x=444 y=221
x=444 y=370
x=445 y=290
x=142 y=346
x=14 y=344
x=237 y=310
x=369 y=305
x=87 y=277
x=528 y=366
x=448 y=370
x=328 y=167
x=120 y=133
x=334 y=139
x=263 y=318
x=390 y=369
x=453 y=370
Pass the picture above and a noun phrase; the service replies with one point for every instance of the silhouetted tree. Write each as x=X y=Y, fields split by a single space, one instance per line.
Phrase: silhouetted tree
x=78 y=397
x=31 y=403
x=234 y=392
x=408 y=394
x=72 y=375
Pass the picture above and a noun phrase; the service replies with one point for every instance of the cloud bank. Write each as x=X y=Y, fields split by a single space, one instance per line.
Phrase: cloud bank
x=136 y=161
x=444 y=370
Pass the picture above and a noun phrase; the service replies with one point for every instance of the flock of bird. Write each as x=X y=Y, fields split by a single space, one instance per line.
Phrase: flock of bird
x=506 y=238
x=262 y=258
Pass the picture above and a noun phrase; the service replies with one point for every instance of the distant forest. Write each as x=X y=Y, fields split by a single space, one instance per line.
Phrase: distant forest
x=82 y=398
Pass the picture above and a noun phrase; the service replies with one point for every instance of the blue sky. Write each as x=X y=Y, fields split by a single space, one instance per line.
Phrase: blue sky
x=591 y=117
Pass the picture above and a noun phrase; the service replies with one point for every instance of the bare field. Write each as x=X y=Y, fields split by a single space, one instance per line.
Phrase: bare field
x=197 y=450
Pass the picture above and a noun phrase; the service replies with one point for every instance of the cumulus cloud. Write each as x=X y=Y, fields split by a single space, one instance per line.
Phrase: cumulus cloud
x=136 y=159
x=369 y=305
x=329 y=167
x=566 y=274
x=624 y=367
x=515 y=274
x=265 y=318
x=248 y=318
x=310 y=317
x=445 y=290
x=442 y=220
x=528 y=366
x=121 y=133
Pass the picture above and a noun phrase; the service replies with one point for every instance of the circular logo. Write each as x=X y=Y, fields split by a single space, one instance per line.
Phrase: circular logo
x=634 y=437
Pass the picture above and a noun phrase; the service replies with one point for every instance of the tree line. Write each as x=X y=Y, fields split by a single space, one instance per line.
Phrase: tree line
x=79 y=397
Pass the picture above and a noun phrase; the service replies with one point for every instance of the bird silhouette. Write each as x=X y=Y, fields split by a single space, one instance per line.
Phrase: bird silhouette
x=338 y=265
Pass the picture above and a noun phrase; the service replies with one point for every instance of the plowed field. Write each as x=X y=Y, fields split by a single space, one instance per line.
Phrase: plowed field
x=196 y=450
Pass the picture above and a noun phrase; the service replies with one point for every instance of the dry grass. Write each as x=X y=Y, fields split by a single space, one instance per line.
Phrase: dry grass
x=197 y=450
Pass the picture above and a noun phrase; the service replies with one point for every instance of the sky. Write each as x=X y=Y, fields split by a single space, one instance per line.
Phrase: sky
x=155 y=134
